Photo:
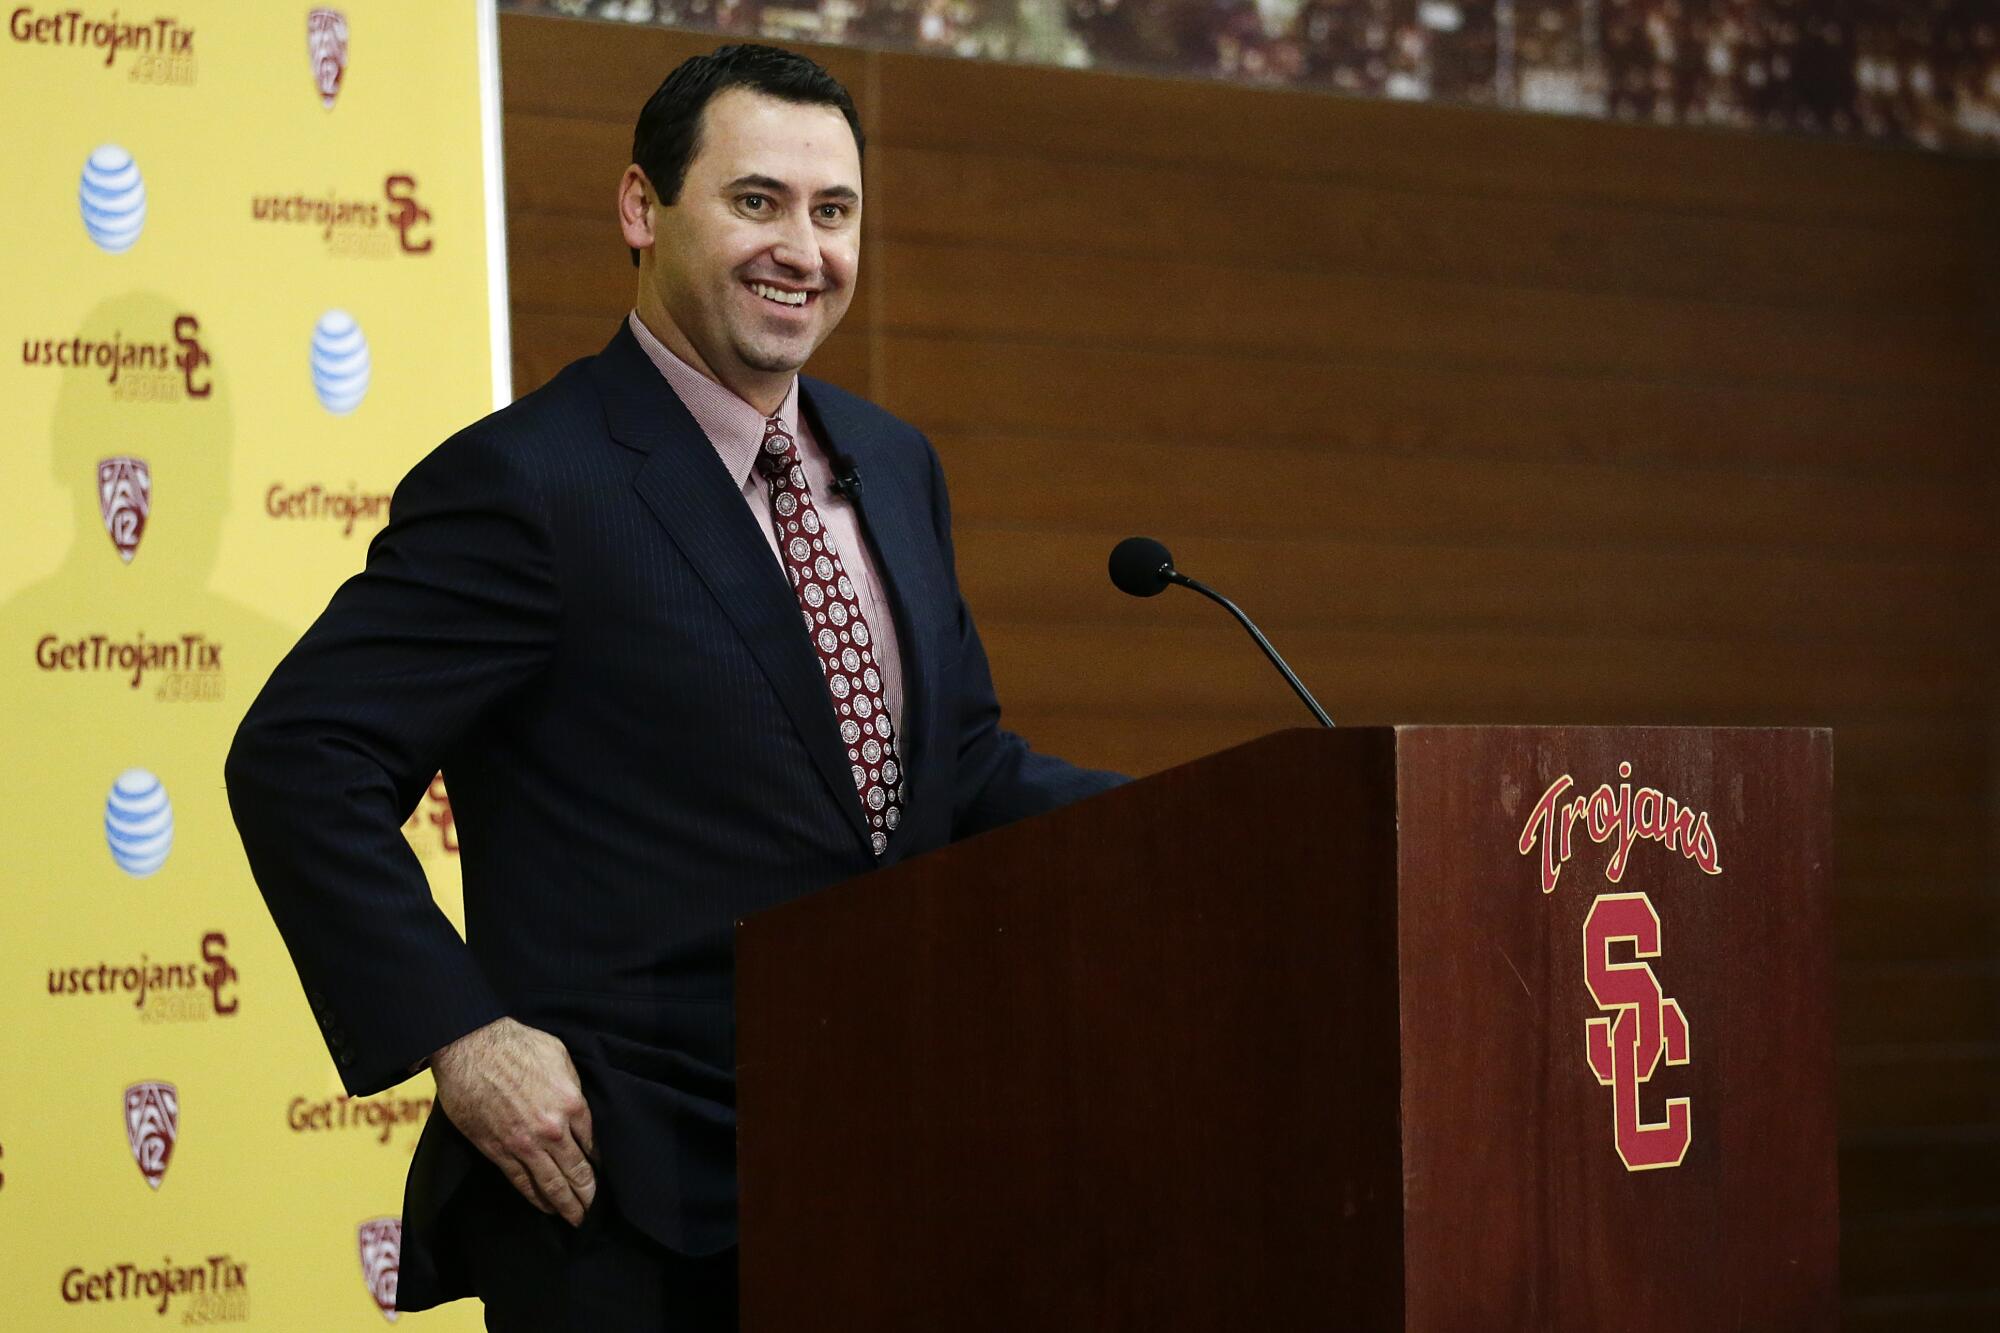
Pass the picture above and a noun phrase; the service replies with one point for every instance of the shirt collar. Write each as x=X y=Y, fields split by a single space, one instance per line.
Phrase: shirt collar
x=733 y=427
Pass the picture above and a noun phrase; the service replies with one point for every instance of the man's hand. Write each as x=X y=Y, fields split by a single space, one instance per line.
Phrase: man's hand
x=513 y=1092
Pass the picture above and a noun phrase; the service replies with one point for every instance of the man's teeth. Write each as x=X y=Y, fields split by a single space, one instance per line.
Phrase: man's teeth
x=778 y=294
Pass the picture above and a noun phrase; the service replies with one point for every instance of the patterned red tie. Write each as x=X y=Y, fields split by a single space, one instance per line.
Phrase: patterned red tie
x=840 y=635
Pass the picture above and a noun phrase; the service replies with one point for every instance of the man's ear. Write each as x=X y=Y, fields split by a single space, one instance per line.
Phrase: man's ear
x=635 y=208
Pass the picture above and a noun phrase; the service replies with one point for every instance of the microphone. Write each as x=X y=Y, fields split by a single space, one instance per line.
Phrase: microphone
x=846 y=478
x=1144 y=568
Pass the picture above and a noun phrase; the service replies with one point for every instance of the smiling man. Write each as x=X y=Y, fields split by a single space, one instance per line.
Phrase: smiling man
x=754 y=264
x=683 y=630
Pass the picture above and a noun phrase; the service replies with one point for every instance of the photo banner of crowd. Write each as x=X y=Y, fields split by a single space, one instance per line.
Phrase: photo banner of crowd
x=1924 y=73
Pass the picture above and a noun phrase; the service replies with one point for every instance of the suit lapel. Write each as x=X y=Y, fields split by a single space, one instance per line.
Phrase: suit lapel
x=693 y=497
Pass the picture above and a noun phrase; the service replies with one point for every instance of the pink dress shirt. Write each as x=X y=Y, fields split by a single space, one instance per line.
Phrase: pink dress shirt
x=736 y=430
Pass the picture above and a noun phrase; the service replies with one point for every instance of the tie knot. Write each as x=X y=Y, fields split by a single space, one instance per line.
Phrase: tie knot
x=778 y=452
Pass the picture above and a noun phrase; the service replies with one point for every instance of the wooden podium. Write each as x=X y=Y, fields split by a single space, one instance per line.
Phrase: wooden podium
x=1425 y=1027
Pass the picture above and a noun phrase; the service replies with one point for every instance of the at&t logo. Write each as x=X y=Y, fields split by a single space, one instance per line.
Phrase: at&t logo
x=112 y=198
x=340 y=365
x=138 y=822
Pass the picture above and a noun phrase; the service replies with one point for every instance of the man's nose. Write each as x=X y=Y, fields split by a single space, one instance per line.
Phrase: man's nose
x=797 y=246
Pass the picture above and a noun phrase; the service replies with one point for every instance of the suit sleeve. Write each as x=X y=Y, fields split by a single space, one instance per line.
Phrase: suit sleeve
x=999 y=778
x=455 y=611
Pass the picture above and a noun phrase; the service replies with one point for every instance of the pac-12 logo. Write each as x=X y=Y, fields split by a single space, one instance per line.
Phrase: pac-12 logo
x=125 y=499
x=152 y=1127
x=326 y=45
x=1644 y=1029
x=380 y=1240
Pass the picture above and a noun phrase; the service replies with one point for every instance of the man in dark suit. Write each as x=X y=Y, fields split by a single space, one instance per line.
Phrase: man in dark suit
x=683 y=631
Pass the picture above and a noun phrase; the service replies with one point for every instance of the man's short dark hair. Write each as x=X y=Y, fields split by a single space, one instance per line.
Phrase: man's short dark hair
x=668 y=134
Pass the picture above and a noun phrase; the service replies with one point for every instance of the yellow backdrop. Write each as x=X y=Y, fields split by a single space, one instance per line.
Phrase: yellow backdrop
x=250 y=261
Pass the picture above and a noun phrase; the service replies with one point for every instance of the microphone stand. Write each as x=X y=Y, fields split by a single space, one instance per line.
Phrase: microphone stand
x=1173 y=575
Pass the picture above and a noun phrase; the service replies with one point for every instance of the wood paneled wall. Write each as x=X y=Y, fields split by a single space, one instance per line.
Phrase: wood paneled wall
x=1488 y=418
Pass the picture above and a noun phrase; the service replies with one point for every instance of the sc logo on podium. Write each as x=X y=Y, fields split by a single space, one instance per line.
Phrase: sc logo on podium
x=1645 y=1027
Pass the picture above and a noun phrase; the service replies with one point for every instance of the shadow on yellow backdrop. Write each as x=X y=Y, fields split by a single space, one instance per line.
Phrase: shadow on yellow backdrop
x=169 y=1118
x=174 y=1147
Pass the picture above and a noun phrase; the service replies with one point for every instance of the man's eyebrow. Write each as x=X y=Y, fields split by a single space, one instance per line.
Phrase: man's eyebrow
x=771 y=183
x=775 y=186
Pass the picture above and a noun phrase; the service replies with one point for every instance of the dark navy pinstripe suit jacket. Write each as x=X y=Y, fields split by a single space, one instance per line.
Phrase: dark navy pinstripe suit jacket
x=572 y=613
